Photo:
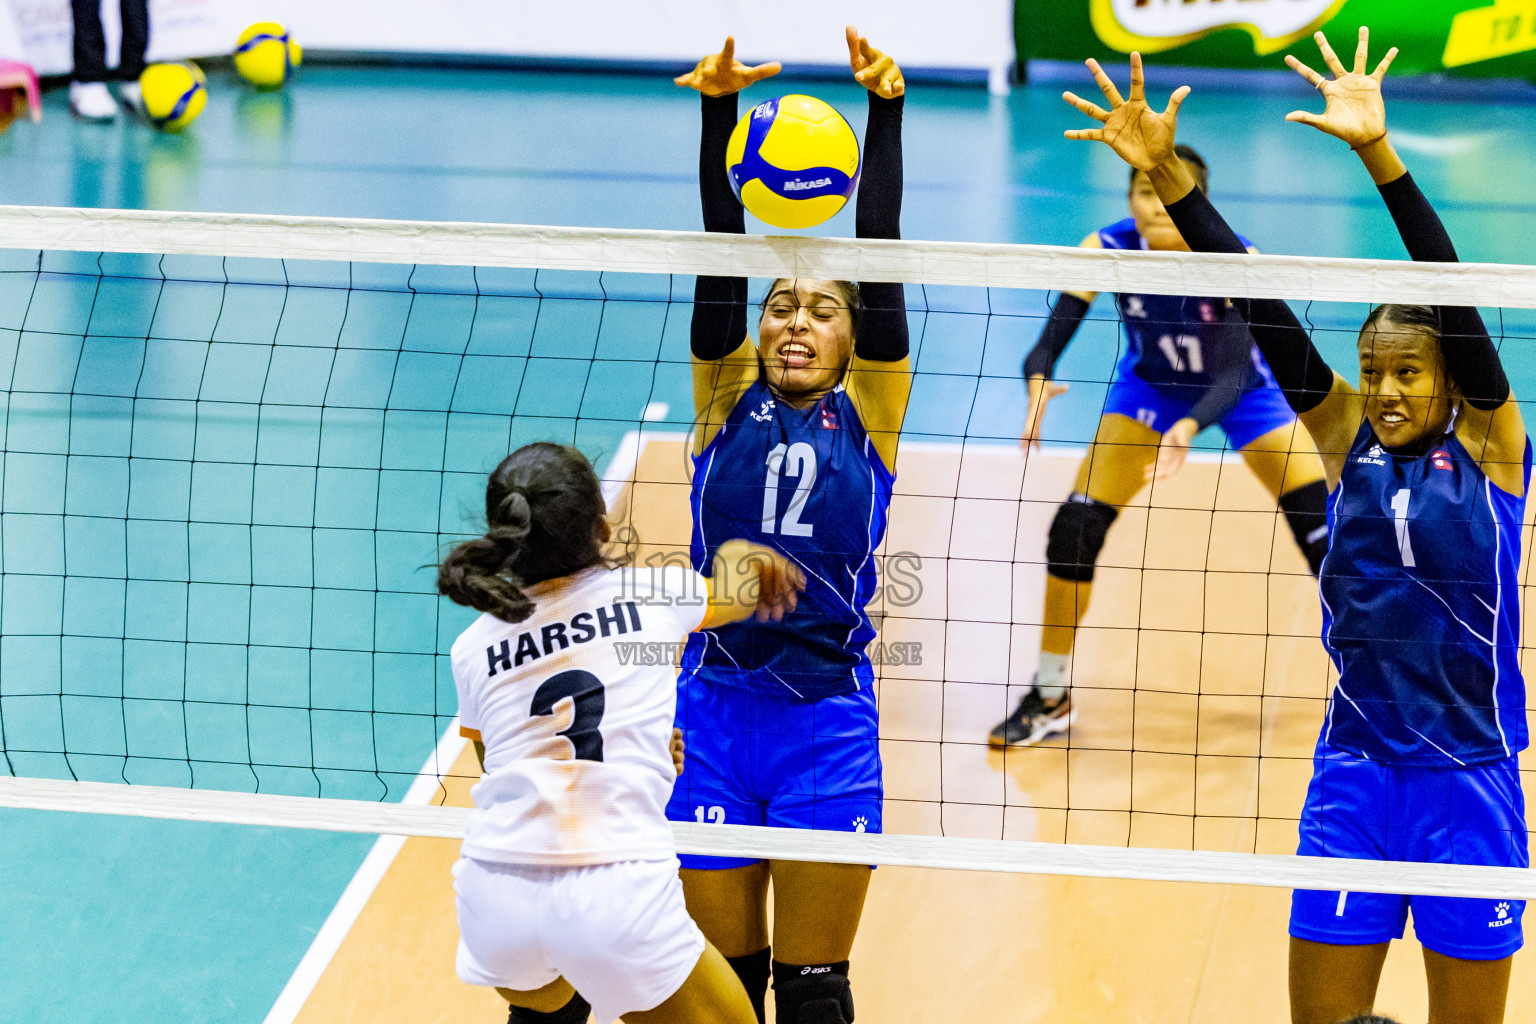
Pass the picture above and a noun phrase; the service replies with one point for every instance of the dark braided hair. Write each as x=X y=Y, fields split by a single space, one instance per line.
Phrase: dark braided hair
x=544 y=514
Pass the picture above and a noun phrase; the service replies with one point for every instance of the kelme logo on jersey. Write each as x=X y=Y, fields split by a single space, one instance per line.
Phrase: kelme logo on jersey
x=1152 y=26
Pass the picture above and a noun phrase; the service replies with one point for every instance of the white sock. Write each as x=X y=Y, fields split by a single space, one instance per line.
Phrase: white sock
x=1052 y=677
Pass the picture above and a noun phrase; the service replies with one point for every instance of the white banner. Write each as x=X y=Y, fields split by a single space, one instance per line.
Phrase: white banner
x=973 y=36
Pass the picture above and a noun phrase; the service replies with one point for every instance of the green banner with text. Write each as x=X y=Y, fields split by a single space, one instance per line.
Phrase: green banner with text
x=1477 y=38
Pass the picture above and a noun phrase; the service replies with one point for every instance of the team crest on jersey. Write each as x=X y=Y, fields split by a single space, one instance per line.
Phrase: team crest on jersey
x=1135 y=307
x=1207 y=312
x=1440 y=458
x=764 y=413
x=828 y=418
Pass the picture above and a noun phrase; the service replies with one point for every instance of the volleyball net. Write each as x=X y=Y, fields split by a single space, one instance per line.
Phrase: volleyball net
x=235 y=447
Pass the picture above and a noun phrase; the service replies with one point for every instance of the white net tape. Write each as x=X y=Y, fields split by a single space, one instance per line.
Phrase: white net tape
x=795 y=844
x=968 y=264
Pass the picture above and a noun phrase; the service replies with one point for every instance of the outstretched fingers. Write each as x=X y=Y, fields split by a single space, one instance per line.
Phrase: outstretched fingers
x=1386 y=62
x=1329 y=57
x=1138 y=79
x=1362 y=50
x=763 y=71
x=1305 y=117
x=1106 y=86
x=853 y=37
x=1175 y=102
x=728 y=51
x=1085 y=134
x=1093 y=110
x=1313 y=78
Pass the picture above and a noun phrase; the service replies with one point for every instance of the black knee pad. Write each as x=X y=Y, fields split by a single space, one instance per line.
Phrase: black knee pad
x=812 y=993
x=574 y=1012
x=753 y=970
x=1306 y=512
x=1077 y=536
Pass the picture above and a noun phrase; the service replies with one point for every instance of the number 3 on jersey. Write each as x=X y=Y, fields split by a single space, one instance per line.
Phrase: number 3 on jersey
x=577 y=696
x=796 y=460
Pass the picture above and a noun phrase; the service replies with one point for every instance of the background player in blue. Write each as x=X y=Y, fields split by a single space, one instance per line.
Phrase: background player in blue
x=1188 y=363
x=795 y=448
x=1428 y=465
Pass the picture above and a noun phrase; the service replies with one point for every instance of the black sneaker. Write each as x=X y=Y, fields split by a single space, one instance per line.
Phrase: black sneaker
x=1033 y=720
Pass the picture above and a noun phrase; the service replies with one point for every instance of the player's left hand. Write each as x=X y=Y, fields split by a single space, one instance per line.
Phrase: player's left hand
x=1173 y=452
x=676 y=747
x=872 y=69
x=1140 y=135
x=1355 y=111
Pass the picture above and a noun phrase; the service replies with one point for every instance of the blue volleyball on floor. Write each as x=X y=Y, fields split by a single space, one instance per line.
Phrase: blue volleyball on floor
x=793 y=161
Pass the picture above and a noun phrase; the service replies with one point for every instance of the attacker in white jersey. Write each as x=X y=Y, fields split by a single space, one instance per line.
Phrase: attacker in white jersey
x=568 y=880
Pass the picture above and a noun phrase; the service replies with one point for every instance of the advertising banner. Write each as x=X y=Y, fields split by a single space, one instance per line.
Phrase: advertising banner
x=1479 y=38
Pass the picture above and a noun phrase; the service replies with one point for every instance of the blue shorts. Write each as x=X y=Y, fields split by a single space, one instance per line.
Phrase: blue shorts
x=1360 y=808
x=753 y=758
x=1259 y=410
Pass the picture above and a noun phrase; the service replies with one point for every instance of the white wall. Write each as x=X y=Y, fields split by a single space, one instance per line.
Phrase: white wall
x=966 y=34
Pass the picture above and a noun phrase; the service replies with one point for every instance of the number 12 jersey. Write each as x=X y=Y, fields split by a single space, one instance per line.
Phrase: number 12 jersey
x=575 y=710
x=810 y=483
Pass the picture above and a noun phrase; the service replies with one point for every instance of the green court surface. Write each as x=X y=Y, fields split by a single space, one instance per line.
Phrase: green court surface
x=223 y=478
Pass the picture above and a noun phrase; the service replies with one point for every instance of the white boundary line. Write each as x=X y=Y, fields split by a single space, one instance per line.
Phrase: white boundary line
x=364 y=881
x=952 y=853
x=615 y=250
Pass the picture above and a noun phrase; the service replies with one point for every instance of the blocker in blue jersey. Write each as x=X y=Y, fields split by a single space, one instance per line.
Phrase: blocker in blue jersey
x=794 y=447
x=1428 y=465
x=1188 y=363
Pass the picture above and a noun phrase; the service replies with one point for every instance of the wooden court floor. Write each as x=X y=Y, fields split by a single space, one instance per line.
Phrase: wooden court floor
x=1201 y=685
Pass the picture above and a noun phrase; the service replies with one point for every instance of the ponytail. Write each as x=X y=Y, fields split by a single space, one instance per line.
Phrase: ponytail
x=544 y=512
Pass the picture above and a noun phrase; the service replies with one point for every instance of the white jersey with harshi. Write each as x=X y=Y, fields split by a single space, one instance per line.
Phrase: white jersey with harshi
x=574 y=706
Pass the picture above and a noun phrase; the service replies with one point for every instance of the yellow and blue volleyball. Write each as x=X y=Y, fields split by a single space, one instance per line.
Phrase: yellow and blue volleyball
x=265 y=55
x=174 y=94
x=793 y=161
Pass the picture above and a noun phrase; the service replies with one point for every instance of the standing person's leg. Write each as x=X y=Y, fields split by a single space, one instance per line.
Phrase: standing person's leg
x=88 y=95
x=130 y=63
x=90 y=43
x=1280 y=452
x=1115 y=469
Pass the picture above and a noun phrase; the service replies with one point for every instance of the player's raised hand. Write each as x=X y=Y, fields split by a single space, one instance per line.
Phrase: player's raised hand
x=872 y=69
x=721 y=74
x=1354 y=111
x=1040 y=393
x=1140 y=135
x=1173 y=451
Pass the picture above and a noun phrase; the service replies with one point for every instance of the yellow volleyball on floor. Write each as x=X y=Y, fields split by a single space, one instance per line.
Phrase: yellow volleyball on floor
x=174 y=94
x=793 y=162
x=266 y=55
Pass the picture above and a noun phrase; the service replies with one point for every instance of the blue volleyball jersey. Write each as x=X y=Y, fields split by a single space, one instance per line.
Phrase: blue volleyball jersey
x=1171 y=335
x=1421 y=608
x=809 y=483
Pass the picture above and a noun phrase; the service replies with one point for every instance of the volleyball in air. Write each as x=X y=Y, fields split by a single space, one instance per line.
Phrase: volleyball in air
x=266 y=55
x=174 y=94
x=793 y=161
